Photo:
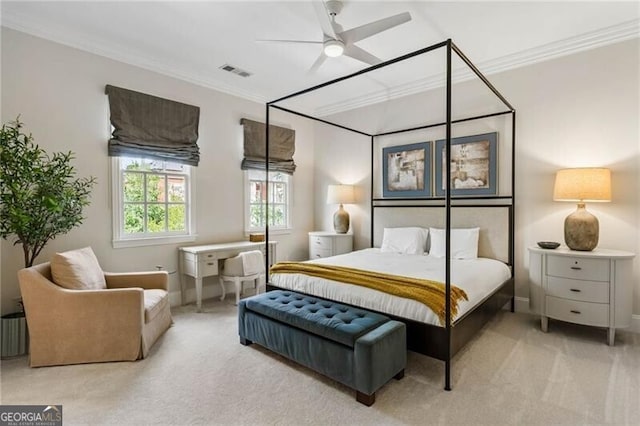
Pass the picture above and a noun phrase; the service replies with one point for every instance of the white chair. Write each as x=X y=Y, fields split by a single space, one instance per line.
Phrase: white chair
x=247 y=266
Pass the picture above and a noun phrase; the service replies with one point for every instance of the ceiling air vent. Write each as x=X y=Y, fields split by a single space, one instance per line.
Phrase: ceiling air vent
x=235 y=70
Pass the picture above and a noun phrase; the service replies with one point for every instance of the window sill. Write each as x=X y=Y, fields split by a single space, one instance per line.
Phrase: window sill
x=281 y=231
x=153 y=241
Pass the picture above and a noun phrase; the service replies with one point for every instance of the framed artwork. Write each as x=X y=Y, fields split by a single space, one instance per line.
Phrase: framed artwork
x=406 y=170
x=474 y=166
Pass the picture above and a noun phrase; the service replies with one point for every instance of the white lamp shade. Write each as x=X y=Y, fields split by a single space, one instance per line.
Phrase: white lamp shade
x=340 y=194
x=583 y=184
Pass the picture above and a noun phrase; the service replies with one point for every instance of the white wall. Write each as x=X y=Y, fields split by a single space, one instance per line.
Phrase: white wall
x=578 y=110
x=59 y=93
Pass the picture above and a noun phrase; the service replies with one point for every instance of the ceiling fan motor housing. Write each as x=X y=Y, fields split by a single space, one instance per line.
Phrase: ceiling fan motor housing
x=334 y=7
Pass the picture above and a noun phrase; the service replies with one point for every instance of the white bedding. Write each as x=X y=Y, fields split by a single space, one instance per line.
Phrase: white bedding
x=477 y=277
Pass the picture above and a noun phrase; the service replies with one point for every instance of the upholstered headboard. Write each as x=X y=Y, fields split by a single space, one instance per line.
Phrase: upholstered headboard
x=492 y=221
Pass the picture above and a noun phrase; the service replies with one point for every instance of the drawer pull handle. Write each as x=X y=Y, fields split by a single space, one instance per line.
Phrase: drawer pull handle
x=576 y=290
x=209 y=255
x=210 y=263
x=576 y=268
x=575 y=312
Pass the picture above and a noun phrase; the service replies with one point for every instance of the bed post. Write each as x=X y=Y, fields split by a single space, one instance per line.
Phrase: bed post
x=447 y=365
x=512 y=226
x=266 y=174
x=371 y=195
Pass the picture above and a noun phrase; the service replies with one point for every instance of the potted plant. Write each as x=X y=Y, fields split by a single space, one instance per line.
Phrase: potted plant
x=40 y=196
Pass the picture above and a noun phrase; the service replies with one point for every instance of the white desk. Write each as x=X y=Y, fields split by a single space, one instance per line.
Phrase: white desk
x=202 y=261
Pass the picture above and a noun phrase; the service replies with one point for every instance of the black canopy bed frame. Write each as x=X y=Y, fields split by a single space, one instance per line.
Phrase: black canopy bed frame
x=439 y=342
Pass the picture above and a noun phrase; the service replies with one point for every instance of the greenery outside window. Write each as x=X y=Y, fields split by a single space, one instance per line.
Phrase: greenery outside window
x=278 y=188
x=152 y=202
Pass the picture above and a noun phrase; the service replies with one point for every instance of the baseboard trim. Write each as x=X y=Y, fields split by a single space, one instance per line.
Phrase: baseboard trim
x=208 y=292
x=522 y=305
x=635 y=324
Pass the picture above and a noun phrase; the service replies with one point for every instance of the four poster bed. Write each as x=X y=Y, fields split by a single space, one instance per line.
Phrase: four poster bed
x=487 y=277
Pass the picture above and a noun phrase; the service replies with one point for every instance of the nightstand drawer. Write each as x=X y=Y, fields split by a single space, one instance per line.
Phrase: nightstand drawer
x=578 y=312
x=318 y=253
x=578 y=268
x=585 y=291
x=320 y=242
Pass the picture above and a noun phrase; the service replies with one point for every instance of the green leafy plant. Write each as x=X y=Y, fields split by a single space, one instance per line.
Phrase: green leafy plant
x=40 y=197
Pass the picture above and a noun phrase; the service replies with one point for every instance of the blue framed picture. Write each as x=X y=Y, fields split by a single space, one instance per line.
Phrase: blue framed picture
x=474 y=168
x=406 y=170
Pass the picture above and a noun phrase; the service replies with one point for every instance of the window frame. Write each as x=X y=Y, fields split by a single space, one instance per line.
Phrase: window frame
x=273 y=230
x=121 y=239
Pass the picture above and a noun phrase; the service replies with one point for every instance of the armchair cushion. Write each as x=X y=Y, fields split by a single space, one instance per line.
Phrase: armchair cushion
x=78 y=270
x=154 y=302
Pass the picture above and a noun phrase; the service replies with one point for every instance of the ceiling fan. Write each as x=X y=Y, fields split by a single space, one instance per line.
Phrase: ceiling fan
x=337 y=42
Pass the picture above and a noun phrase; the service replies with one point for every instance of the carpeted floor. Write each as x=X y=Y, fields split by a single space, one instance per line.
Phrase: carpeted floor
x=198 y=373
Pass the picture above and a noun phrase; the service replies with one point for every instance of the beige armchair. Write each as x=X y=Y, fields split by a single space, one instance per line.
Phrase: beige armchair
x=118 y=322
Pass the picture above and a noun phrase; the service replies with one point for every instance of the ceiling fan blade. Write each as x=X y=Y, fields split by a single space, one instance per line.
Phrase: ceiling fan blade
x=289 y=41
x=375 y=27
x=325 y=21
x=317 y=63
x=355 y=52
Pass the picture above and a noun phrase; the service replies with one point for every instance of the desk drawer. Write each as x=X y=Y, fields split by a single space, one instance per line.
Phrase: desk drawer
x=207 y=256
x=209 y=267
x=585 y=291
x=578 y=268
x=586 y=313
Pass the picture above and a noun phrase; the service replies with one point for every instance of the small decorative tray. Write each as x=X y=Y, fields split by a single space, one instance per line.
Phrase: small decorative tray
x=548 y=244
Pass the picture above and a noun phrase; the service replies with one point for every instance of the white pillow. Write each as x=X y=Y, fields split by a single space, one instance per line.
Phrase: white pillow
x=408 y=240
x=464 y=243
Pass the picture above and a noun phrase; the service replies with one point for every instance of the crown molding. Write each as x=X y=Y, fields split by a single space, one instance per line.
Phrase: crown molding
x=602 y=37
x=591 y=40
x=23 y=24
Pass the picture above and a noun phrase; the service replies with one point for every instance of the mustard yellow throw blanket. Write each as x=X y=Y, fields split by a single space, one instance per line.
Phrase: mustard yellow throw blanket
x=431 y=293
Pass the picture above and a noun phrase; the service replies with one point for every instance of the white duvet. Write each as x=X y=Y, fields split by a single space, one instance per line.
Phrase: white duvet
x=477 y=277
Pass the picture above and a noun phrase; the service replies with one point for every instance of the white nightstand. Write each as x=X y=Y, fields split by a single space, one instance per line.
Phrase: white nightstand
x=583 y=287
x=325 y=244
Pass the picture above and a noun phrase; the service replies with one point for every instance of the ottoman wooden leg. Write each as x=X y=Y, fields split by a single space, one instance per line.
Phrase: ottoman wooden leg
x=365 y=399
x=400 y=375
x=245 y=341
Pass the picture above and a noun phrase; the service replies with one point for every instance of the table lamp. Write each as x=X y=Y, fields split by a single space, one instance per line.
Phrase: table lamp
x=583 y=184
x=340 y=194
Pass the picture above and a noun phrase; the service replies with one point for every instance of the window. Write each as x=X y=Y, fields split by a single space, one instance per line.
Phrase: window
x=279 y=190
x=152 y=202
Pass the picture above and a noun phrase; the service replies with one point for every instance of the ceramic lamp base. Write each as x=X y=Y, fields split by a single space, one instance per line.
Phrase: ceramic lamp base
x=341 y=221
x=581 y=230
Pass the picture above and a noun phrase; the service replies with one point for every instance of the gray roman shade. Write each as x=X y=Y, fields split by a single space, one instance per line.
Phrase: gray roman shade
x=282 y=145
x=152 y=127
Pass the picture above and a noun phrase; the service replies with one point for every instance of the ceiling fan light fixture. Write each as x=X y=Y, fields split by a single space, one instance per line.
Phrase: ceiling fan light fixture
x=333 y=48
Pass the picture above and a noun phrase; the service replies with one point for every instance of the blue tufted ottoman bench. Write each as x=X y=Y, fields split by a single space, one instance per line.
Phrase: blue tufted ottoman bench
x=358 y=348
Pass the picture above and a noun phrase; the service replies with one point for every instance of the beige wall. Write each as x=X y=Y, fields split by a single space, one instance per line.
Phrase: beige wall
x=578 y=110
x=59 y=93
